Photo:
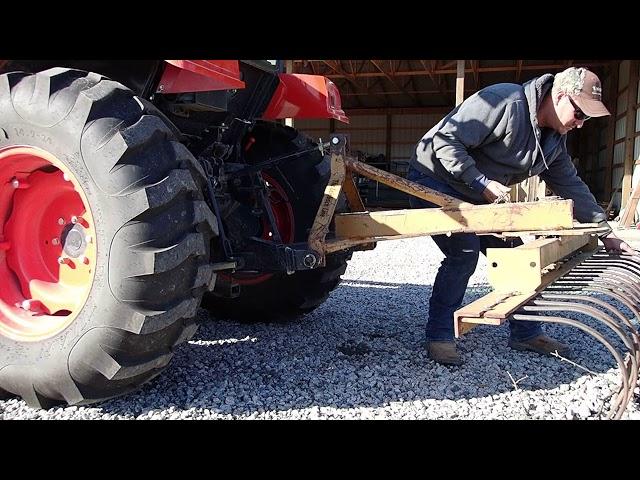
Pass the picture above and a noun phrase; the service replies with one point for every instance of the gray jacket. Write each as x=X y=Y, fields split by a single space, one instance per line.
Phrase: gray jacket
x=494 y=135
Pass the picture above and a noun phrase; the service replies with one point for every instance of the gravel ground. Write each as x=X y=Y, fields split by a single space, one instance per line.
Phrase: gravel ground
x=360 y=356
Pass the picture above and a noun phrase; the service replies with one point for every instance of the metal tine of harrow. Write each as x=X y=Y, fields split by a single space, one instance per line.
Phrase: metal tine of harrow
x=630 y=305
x=624 y=392
x=603 y=290
x=563 y=306
x=629 y=293
x=585 y=281
x=630 y=341
x=602 y=304
x=627 y=262
x=606 y=290
x=621 y=286
x=607 y=306
x=620 y=268
x=623 y=289
x=604 y=254
x=620 y=263
x=566 y=286
x=607 y=272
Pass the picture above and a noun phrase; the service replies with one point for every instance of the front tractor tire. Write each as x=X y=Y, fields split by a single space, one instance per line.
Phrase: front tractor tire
x=104 y=239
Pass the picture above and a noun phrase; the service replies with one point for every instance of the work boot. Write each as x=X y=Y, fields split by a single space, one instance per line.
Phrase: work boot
x=443 y=352
x=543 y=345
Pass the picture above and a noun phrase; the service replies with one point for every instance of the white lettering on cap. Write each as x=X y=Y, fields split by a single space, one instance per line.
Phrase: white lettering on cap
x=596 y=91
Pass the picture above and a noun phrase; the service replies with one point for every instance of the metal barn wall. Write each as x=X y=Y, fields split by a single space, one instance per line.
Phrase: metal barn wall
x=406 y=131
x=389 y=137
x=316 y=129
x=367 y=133
x=597 y=180
x=634 y=143
x=367 y=136
x=385 y=140
x=626 y=142
x=620 y=130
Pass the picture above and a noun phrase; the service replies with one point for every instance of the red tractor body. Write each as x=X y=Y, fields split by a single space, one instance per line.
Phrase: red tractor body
x=131 y=191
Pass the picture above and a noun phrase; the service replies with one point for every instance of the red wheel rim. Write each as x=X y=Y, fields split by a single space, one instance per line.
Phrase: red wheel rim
x=47 y=245
x=285 y=221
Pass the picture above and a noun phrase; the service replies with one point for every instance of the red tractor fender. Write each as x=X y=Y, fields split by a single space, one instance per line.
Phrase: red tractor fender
x=199 y=76
x=305 y=96
x=297 y=95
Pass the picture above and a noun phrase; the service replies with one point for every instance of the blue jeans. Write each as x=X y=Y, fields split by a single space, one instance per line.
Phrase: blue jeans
x=461 y=251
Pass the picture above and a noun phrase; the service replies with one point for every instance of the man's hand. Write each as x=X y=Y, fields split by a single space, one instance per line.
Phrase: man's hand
x=615 y=245
x=494 y=191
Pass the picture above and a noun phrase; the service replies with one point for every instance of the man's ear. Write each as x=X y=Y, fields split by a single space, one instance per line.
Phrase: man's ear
x=557 y=97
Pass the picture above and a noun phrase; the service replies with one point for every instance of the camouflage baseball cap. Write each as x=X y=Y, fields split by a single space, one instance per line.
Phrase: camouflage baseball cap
x=584 y=88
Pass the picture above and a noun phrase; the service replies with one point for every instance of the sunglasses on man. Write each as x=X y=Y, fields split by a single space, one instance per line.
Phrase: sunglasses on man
x=577 y=113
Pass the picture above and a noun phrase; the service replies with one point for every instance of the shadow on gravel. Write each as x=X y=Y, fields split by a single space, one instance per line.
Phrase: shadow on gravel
x=361 y=348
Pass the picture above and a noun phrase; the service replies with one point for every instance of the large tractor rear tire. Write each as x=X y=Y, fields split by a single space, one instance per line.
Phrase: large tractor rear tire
x=296 y=189
x=104 y=239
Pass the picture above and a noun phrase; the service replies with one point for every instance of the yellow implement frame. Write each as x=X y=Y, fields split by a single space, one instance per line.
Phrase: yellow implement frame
x=516 y=274
x=454 y=216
